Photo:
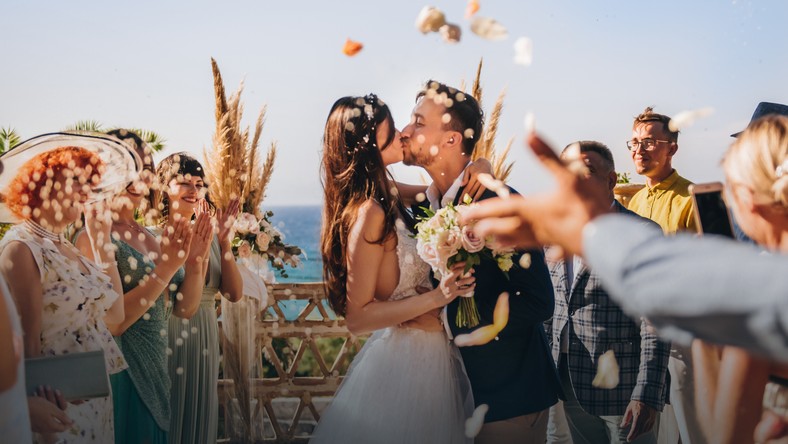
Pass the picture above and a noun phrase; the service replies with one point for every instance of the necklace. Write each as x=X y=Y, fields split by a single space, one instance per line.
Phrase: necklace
x=42 y=232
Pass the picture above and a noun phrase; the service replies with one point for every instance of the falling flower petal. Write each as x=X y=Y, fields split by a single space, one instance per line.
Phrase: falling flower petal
x=352 y=48
x=483 y=335
x=685 y=119
x=430 y=19
x=471 y=9
x=493 y=184
x=450 y=33
x=525 y=261
x=523 y=51
x=488 y=29
x=473 y=425
x=530 y=123
x=606 y=371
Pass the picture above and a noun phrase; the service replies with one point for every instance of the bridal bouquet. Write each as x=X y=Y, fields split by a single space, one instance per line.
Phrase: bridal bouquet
x=442 y=242
x=258 y=240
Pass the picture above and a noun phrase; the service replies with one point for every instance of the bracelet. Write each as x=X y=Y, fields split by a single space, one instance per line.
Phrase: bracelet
x=156 y=278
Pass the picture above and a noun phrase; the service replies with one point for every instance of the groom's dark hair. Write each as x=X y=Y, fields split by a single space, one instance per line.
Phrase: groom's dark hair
x=467 y=117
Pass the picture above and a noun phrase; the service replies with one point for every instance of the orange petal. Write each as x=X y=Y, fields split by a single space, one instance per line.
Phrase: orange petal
x=483 y=335
x=352 y=48
x=472 y=8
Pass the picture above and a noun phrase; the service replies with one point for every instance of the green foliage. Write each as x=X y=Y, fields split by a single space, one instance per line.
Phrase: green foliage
x=622 y=178
x=154 y=140
x=8 y=139
x=86 y=125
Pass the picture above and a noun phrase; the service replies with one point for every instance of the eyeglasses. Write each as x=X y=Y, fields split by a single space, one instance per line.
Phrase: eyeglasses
x=646 y=144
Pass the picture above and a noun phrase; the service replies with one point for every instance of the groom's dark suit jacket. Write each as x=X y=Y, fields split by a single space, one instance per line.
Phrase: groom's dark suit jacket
x=513 y=374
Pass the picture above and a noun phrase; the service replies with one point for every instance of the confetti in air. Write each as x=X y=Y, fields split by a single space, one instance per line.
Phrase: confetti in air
x=430 y=19
x=483 y=335
x=523 y=51
x=685 y=119
x=471 y=9
x=530 y=123
x=494 y=185
x=352 y=48
x=525 y=261
x=450 y=33
x=606 y=371
x=488 y=29
x=473 y=425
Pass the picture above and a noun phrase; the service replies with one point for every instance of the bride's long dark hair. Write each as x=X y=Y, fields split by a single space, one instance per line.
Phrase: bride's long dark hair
x=352 y=173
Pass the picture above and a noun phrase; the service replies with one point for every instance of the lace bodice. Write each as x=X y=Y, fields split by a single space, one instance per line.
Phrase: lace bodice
x=412 y=270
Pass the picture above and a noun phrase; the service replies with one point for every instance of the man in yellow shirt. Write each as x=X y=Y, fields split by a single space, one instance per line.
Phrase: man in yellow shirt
x=667 y=201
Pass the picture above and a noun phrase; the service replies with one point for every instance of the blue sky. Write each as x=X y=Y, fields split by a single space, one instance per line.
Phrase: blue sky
x=596 y=65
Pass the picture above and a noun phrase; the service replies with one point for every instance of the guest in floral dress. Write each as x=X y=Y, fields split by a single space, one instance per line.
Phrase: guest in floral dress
x=65 y=300
x=155 y=286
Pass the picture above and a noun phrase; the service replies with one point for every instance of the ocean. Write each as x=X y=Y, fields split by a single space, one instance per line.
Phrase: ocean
x=301 y=227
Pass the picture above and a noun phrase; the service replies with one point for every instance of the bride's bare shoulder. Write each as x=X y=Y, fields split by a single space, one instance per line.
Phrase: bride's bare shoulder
x=370 y=219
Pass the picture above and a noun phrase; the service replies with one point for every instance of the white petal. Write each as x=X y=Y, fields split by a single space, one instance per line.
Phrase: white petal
x=430 y=19
x=686 y=118
x=488 y=28
x=606 y=371
x=523 y=51
x=473 y=425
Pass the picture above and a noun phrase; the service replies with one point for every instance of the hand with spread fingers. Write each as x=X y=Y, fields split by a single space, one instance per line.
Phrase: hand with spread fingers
x=555 y=218
x=201 y=238
x=226 y=218
x=176 y=239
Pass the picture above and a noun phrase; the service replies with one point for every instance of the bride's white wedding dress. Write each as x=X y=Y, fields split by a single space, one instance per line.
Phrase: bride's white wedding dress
x=406 y=385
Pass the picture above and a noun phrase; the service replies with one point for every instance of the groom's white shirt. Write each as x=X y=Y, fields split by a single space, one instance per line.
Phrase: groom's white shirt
x=437 y=202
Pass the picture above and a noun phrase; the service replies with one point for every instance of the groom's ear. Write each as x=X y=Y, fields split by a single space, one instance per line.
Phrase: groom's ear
x=452 y=139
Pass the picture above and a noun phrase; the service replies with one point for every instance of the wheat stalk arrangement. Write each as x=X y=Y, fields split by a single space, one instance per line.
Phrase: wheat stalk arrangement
x=233 y=166
x=486 y=146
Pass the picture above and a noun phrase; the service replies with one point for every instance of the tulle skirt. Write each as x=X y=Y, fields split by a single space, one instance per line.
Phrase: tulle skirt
x=405 y=386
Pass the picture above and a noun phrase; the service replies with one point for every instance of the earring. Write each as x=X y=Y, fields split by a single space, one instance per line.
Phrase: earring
x=451 y=140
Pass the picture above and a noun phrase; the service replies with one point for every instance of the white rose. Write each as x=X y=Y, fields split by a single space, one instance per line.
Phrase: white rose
x=470 y=242
x=246 y=223
x=262 y=240
x=244 y=250
x=429 y=254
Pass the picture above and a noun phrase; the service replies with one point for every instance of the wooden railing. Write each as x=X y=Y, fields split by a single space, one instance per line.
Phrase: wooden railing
x=304 y=358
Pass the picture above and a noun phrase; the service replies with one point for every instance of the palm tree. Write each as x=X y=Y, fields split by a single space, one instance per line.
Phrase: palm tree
x=8 y=139
x=153 y=139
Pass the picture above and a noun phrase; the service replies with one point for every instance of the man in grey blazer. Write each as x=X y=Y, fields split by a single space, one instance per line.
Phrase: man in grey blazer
x=586 y=323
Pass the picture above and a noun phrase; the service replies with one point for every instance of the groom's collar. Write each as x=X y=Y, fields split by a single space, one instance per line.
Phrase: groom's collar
x=434 y=195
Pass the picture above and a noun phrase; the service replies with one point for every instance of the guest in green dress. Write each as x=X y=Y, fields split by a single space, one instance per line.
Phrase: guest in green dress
x=194 y=364
x=161 y=277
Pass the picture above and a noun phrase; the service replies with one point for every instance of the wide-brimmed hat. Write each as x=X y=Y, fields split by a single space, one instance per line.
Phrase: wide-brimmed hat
x=764 y=109
x=123 y=165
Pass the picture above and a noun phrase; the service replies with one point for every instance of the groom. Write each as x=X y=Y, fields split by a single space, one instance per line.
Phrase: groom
x=514 y=374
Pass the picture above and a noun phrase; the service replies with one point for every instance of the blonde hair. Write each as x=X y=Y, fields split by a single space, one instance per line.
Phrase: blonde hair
x=759 y=159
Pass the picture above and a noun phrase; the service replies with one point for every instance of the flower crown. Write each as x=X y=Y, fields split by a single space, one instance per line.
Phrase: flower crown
x=367 y=105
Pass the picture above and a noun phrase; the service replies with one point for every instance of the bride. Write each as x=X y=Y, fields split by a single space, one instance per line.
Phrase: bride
x=407 y=385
